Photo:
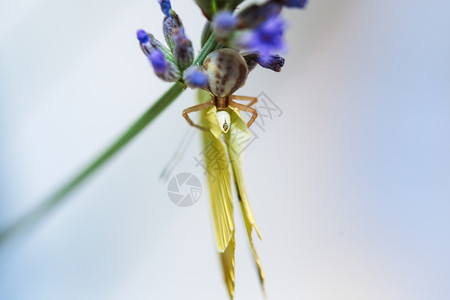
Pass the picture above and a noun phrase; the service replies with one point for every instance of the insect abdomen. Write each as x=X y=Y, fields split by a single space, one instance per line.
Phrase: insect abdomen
x=226 y=70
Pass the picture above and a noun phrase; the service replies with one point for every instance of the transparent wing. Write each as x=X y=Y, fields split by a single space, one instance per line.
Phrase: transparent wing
x=236 y=139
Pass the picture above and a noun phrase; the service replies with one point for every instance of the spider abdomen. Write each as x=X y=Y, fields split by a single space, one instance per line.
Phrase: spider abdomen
x=226 y=70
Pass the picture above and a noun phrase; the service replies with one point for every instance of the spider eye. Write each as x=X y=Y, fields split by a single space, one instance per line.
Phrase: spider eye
x=224 y=120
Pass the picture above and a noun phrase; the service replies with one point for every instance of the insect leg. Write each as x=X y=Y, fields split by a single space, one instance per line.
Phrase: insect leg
x=247 y=109
x=252 y=100
x=195 y=108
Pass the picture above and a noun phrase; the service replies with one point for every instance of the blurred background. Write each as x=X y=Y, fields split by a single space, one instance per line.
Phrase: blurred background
x=350 y=186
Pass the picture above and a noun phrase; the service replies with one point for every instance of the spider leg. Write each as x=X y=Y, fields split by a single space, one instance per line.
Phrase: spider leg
x=252 y=100
x=195 y=108
x=246 y=108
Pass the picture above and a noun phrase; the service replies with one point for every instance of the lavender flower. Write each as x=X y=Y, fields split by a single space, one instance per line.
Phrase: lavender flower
x=164 y=69
x=272 y=62
x=158 y=61
x=224 y=23
x=165 y=7
x=195 y=78
x=251 y=60
x=183 y=51
x=171 y=23
x=264 y=40
x=144 y=41
x=269 y=36
x=254 y=15
x=142 y=36
x=148 y=42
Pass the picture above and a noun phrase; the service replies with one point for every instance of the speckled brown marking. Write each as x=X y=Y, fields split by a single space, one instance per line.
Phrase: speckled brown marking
x=243 y=73
x=226 y=70
x=224 y=80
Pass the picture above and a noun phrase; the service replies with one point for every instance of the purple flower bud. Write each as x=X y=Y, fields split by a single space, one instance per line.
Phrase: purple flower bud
x=165 y=7
x=251 y=60
x=183 y=51
x=142 y=36
x=272 y=62
x=170 y=24
x=144 y=41
x=195 y=78
x=224 y=23
x=163 y=68
x=254 y=15
x=264 y=40
x=158 y=61
x=148 y=42
x=294 y=3
x=268 y=38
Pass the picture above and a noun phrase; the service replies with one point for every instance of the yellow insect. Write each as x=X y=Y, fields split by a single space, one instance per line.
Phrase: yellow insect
x=224 y=131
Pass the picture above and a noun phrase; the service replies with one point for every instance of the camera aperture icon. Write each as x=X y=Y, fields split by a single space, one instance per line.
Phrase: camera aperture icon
x=184 y=189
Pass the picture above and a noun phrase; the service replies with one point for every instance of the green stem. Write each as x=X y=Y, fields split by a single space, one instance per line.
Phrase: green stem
x=35 y=215
x=209 y=46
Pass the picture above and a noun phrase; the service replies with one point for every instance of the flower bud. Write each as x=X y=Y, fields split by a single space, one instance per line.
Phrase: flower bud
x=251 y=60
x=148 y=42
x=254 y=15
x=195 y=78
x=272 y=62
x=144 y=41
x=164 y=69
x=224 y=23
x=170 y=24
x=263 y=40
x=165 y=7
x=183 y=51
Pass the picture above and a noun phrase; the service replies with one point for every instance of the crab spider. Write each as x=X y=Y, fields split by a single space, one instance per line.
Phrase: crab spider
x=227 y=71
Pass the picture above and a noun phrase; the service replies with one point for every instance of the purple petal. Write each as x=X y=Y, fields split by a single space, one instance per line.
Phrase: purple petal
x=142 y=36
x=195 y=78
x=165 y=7
x=224 y=20
x=272 y=62
x=268 y=38
x=158 y=61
